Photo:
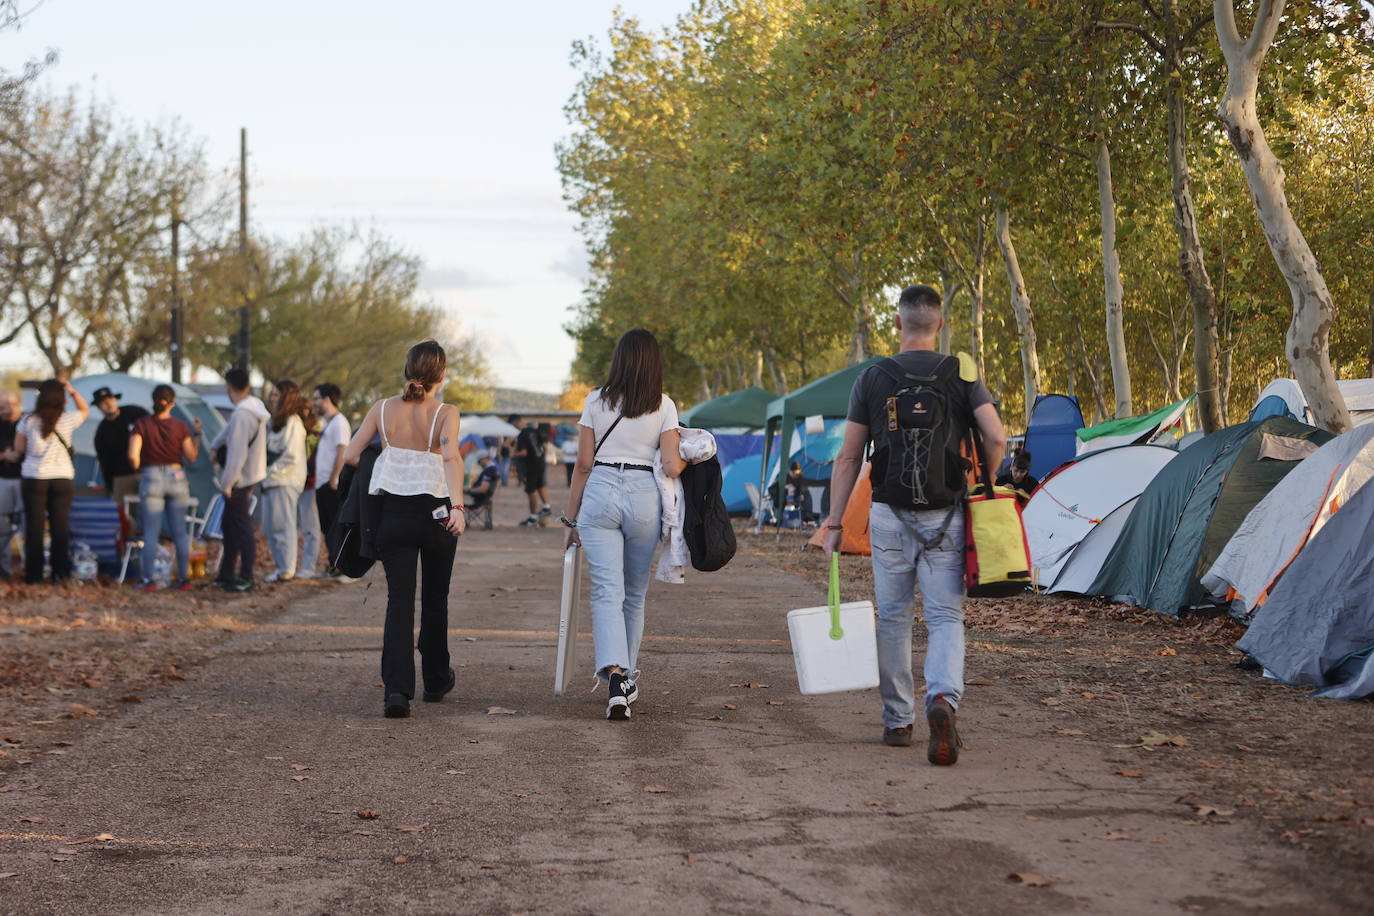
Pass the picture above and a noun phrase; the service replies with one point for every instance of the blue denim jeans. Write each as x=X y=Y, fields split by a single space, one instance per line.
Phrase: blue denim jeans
x=619 y=525
x=164 y=495
x=277 y=510
x=900 y=560
x=308 y=522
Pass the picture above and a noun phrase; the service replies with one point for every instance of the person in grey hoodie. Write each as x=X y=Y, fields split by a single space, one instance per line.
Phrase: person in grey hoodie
x=241 y=450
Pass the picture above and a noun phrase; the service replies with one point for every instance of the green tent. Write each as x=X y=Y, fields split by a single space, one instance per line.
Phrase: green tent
x=1139 y=430
x=826 y=397
x=1192 y=507
x=745 y=408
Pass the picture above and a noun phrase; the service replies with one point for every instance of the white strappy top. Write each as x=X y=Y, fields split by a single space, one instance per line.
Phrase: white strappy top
x=409 y=471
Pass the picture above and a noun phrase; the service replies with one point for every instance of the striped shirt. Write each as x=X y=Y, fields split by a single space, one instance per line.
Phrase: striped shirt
x=47 y=458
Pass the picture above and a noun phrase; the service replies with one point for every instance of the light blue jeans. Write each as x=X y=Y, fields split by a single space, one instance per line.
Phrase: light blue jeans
x=900 y=560
x=277 y=506
x=163 y=495
x=308 y=522
x=619 y=525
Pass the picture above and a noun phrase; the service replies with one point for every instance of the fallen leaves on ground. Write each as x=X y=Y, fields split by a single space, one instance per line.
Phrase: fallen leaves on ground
x=1152 y=740
x=400 y=860
x=411 y=828
x=1115 y=836
x=499 y=711
x=1029 y=879
x=729 y=706
x=1211 y=811
x=1130 y=774
x=656 y=790
x=368 y=815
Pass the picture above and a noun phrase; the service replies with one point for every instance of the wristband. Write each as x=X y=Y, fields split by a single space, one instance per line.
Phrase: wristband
x=834 y=527
x=568 y=522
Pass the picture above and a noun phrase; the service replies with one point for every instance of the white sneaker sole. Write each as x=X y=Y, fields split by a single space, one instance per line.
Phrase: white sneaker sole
x=617 y=709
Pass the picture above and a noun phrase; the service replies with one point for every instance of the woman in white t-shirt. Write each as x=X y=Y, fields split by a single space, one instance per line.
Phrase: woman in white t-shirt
x=614 y=508
x=44 y=439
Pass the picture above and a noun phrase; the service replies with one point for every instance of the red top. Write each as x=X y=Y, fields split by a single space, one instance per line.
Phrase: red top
x=162 y=440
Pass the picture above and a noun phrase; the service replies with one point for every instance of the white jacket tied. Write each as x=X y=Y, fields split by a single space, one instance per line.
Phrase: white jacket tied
x=695 y=446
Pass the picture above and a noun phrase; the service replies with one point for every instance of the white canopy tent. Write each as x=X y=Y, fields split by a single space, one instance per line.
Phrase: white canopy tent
x=485 y=426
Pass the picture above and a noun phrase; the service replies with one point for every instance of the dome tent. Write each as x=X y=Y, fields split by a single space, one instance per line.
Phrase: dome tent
x=1286 y=520
x=1192 y=507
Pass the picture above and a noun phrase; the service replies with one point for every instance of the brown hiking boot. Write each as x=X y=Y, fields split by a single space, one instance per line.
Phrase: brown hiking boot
x=943 y=750
x=897 y=737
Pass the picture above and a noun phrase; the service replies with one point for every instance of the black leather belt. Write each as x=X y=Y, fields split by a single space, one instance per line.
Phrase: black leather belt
x=620 y=466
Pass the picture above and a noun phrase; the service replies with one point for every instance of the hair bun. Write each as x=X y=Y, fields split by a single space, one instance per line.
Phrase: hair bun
x=415 y=390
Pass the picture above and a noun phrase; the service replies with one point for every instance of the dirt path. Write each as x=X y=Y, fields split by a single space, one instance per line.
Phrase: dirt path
x=241 y=789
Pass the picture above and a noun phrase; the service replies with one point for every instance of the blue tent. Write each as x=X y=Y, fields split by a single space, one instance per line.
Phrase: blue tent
x=1271 y=406
x=1051 y=436
x=741 y=471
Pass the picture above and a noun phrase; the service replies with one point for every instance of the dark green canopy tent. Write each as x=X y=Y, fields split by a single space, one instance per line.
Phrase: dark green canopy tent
x=827 y=397
x=1192 y=507
x=746 y=408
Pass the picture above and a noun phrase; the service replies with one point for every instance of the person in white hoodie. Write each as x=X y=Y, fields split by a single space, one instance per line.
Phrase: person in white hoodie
x=285 y=479
x=240 y=449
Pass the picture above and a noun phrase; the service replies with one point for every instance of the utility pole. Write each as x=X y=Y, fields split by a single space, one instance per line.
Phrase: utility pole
x=245 y=352
x=177 y=330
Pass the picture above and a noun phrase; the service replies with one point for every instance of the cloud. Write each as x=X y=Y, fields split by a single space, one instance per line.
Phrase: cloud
x=573 y=264
x=455 y=278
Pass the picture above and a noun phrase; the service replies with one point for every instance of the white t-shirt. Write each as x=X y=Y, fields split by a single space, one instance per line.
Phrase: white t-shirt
x=634 y=441
x=48 y=459
x=336 y=432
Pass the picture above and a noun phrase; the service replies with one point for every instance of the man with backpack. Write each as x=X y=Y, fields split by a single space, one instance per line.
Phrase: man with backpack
x=918 y=409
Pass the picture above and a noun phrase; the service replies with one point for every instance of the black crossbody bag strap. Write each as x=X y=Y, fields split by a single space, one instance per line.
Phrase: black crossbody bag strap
x=608 y=435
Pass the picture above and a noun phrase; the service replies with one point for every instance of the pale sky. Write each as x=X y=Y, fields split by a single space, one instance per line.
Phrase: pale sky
x=434 y=121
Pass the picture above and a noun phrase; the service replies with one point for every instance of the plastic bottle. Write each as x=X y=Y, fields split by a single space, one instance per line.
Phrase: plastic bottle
x=85 y=564
x=162 y=565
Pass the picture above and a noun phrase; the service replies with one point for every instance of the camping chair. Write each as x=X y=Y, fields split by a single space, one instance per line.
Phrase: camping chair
x=136 y=543
x=761 y=507
x=480 y=511
x=95 y=523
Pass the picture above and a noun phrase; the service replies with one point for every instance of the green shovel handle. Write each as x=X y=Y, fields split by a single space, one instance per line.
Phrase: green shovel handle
x=836 y=631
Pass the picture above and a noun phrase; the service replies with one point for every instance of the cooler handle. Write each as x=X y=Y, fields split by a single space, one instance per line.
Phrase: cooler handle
x=836 y=631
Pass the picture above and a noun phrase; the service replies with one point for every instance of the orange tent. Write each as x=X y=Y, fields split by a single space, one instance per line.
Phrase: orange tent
x=854 y=538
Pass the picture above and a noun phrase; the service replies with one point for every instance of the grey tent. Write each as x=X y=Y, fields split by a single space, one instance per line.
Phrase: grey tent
x=1317 y=627
x=1192 y=507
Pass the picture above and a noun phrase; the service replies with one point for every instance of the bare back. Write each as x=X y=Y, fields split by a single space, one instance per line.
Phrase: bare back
x=410 y=425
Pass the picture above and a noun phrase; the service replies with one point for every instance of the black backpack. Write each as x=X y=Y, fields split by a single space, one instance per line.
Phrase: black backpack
x=916 y=461
x=706 y=525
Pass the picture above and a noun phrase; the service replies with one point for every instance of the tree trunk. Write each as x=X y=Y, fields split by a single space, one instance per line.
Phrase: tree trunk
x=705 y=393
x=758 y=369
x=1207 y=350
x=948 y=290
x=975 y=294
x=863 y=325
x=1021 y=306
x=1370 y=355
x=1314 y=311
x=1111 y=284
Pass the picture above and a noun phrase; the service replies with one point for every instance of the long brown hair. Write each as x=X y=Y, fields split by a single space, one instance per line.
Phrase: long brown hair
x=425 y=365
x=290 y=402
x=634 y=384
x=51 y=401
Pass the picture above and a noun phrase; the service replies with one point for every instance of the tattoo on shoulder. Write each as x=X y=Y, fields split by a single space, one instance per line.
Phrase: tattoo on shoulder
x=443 y=440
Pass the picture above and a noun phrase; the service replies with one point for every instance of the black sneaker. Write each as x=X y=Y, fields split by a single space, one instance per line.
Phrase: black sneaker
x=434 y=696
x=618 y=706
x=943 y=749
x=897 y=737
x=242 y=584
x=529 y=522
x=397 y=706
x=631 y=690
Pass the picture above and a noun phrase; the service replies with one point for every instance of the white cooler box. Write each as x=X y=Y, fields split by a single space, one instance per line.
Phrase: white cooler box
x=826 y=664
